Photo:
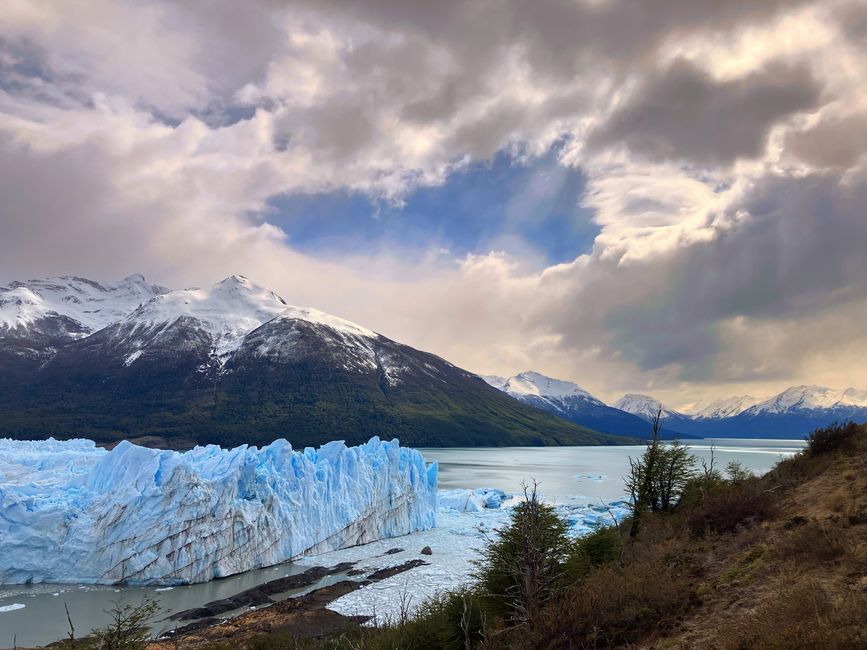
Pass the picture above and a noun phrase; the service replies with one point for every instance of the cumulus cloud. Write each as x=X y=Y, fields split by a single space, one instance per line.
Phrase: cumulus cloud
x=722 y=145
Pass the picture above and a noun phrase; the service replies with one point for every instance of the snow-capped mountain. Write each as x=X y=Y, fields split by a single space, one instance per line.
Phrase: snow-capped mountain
x=53 y=310
x=224 y=313
x=570 y=401
x=800 y=398
x=793 y=413
x=233 y=363
x=90 y=304
x=722 y=408
x=646 y=408
x=554 y=391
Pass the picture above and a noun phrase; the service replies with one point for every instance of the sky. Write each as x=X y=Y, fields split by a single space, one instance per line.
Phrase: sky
x=665 y=198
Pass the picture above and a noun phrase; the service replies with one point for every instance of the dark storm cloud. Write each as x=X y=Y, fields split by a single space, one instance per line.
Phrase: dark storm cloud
x=799 y=253
x=838 y=141
x=683 y=113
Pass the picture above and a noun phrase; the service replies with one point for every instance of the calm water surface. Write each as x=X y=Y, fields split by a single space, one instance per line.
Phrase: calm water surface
x=564 y=474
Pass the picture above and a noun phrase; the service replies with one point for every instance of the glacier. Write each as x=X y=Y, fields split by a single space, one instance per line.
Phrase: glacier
x=72 y=512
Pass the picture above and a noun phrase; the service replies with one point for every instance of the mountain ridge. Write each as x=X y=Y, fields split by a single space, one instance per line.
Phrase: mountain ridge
x=794 y=412
x=568 y=400
x=234 y=363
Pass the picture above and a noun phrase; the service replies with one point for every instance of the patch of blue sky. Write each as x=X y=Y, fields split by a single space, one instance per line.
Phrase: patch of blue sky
x=503 y=204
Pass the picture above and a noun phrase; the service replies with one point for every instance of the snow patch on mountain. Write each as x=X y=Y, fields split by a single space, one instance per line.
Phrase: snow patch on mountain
x=88 y=303
x=71 y=512
x=645 y=407
x=811 y=397
x=496 y=381
x=721 y=408
x=538 y=385
x=226 y=311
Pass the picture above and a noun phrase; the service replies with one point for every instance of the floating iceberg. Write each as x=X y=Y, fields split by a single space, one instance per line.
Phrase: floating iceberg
x=476 y=500
x=73 y=512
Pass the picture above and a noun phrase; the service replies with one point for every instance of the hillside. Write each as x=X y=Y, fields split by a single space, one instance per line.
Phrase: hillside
x=775 y=562
x=232 y=364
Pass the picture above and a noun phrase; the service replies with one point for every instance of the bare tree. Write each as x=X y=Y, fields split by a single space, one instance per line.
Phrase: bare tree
x=71 y=633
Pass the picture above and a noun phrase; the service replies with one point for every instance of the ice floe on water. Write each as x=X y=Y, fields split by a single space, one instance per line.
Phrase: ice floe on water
x=12 y=607
x=475 y=500
x=458 y=539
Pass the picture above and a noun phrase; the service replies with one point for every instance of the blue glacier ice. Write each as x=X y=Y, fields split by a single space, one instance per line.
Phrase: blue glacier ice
x=73 y=512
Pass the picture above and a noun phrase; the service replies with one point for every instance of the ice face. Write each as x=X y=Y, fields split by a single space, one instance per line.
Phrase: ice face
x=72 y=512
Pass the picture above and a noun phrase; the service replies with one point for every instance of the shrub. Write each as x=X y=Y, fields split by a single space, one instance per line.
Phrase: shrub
x=737 y=473
x=128 y=629
x=657 y=479
x=832 y=437
x=728 y=506
x=614 y=606
x=453 y=620
x=812 y=542
x=594 y=549
x=521 y=568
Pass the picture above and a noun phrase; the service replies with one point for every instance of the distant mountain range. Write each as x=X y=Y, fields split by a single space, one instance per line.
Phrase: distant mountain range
x=791 y=414
x=232 y=364
x=570 y=401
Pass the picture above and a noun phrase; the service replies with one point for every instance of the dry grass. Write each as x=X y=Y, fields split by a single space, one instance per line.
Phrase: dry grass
x=797 y=614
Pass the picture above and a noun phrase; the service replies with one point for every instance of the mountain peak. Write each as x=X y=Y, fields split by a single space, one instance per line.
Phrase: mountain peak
x=722 y=408
x=535 y=383
x=86 y=303
x=644 y=406
x=235 y=279
x=807 y=397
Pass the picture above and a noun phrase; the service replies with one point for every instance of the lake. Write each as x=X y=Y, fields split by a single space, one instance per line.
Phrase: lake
x=566 y=475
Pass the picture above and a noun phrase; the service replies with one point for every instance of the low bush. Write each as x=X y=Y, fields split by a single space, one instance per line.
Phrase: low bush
x=812 y=543
x=594 y=549
x=835 y=436
x=612 y=607
x=728 y=506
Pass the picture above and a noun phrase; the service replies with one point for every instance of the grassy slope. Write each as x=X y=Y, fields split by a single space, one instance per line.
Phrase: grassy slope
x=792 y=575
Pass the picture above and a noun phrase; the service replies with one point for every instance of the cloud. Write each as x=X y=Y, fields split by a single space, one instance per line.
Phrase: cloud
x=838 y=141
x=721 y=144
x=683 y=113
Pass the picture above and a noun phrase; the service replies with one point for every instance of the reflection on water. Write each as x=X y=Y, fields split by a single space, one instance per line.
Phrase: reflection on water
x=565 y=475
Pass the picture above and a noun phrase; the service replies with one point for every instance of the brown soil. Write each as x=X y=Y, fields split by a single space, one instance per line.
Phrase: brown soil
x=303 y=617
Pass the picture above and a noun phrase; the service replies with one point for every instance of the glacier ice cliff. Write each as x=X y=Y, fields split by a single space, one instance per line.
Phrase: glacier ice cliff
x=73 y=512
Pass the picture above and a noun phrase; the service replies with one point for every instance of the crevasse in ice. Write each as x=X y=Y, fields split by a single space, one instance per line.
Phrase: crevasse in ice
x=73 y=512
